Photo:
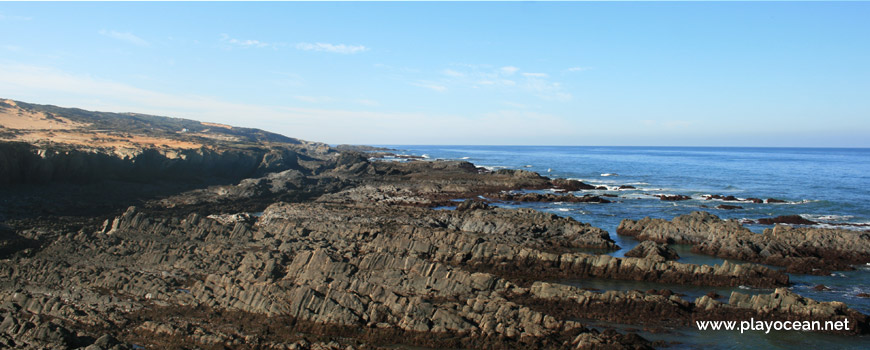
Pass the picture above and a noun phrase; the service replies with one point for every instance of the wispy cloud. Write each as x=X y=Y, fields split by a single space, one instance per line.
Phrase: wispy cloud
x=327 y=99
x=124 y=36
x=579 y=69
x=509 y=70
x=4 y=17
x=48 y=85
x=508 y=78
x=453 y=73
x=535 y=75
x=248 y=43
x=334 y=48
x=431 y=86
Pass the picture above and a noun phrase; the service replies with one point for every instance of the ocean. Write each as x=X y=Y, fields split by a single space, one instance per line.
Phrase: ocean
x=826 y=185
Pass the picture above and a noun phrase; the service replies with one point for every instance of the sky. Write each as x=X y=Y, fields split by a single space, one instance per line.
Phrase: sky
x=778 y=74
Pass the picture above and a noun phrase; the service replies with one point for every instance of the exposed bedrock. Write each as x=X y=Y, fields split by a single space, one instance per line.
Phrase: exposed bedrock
x=549 y=197
x=368 y=267
x=571 y=185
x=659 y=310
x=529 y=266
x=802 y=250
x=653 y=251
x=404 y=273
x=429 y=184
x=786 y=219
x=24 y=163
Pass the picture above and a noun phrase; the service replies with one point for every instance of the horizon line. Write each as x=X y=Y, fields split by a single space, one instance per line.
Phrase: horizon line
x=626 y=146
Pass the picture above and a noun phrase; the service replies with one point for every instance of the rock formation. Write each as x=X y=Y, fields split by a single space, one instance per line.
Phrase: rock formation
x=653 y=251
x=306 y=247
x=804 y=249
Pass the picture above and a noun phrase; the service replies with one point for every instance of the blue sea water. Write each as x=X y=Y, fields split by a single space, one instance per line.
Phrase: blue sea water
x=826 y=185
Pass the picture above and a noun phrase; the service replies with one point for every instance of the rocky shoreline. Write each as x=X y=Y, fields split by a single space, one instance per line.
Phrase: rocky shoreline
x=327 y=249
x=369 y=260
x=799 y=249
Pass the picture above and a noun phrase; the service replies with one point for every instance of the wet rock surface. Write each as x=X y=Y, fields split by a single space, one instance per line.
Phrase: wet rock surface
x=799 y=249
x=549 y=197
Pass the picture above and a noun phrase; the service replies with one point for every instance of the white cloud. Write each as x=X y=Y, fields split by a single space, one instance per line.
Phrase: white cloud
x=325 y=47
x=546 y=89
x=431 y=86
x=246 y=42
x=509 y=70
x=453 y=73
x=536 y=84
x=124 y=36
x=535 y=75
x=579 y=69
x=48 y=85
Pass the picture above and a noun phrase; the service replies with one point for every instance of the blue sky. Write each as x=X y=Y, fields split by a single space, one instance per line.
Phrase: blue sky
x=702 y=74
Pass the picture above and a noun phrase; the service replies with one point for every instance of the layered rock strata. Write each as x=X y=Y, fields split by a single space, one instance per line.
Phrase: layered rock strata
x=408 y=272
x=800 y=249
x=653 y=251
x=660 y=310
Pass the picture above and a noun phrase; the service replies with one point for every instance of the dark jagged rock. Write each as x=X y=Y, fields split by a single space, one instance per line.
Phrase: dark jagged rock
x=659 y=310
x=803 y=250
x=472 y=205
x=821 y=288
x=571 y=185
x=774 y=200
x=787 y=219
x=549 y=197
x=654 y=251
x=713 y=295
x=728 y=207
x=731 y=198
x=676 y=197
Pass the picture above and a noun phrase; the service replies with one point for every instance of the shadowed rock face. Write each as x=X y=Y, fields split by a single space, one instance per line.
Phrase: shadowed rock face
x=804 y=249
x=64 y=161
